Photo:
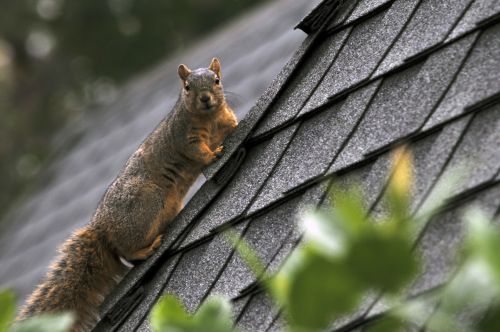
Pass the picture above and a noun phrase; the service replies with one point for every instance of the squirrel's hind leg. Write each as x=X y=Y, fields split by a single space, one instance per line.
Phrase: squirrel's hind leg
x=144 y=253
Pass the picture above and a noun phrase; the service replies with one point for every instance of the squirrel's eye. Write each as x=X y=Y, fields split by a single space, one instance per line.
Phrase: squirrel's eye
x=187 y=87
x=217 y=80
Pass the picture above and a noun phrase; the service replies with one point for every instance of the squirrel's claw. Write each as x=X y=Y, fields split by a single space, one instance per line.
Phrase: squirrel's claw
x=219 y=152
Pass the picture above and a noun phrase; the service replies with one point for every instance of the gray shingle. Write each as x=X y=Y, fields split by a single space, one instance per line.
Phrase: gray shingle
x=278 y=325
x=265 y=235
x=245 y=184
x=314 y=146
x=441 y=242
x=145 y=327
x=371 y=178
x=364 y=7
x=386 y=119
x=302 y=84
x=403 y=102
x=259 y=313
x=430 y=156
x=152 y=292
x=439 y=250
x=366 y=44
x=478 y=79
x=189 y=282
x=429 y=25
x=478 y=150
x=239 y=305
x=309 y=200
x=478 y=11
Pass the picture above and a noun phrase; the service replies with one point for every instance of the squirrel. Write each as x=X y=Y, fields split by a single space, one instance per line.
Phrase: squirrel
x=146 y=195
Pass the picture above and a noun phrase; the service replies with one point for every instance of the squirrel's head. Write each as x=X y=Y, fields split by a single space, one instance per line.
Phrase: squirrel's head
x=202 y=90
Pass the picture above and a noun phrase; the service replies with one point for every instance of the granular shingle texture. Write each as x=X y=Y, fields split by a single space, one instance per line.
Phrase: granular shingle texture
x=370 y=75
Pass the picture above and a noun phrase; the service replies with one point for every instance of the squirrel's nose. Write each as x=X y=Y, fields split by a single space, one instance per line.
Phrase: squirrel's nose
x=204 y=98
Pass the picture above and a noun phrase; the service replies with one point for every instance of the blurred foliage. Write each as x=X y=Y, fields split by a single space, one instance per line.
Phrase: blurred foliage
x=58 y=56
x=42 y=323
x=347 y=256
x=214 y=315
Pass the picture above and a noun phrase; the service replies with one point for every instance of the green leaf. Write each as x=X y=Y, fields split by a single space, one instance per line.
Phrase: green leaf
x=382 y=261
x=214 y=315
x=247 y=253
x=441 y=192
x=7 y=308
x=320 y=289
x=491 y=322
x=483 y=241
x=323 y=234
x=386 y=324
x=170 y=315
x=45 y=323
x=349 y=211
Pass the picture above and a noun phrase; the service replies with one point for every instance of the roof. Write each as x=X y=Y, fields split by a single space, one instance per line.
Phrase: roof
x=252 y=50
x=370 y=75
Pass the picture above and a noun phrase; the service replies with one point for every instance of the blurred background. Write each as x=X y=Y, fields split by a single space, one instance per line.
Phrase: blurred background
x=82 y=83
x=57 y=58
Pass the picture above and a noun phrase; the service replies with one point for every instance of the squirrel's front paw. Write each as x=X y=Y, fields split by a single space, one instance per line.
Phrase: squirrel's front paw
x=218 y=152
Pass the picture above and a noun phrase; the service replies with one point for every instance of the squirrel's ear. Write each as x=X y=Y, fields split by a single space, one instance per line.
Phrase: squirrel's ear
x=215 y=67
x=183 y=72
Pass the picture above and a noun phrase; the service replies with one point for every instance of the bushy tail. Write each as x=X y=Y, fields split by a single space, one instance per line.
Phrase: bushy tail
x=83 y=274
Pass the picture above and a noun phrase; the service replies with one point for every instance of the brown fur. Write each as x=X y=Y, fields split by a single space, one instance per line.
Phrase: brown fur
x=143 y=199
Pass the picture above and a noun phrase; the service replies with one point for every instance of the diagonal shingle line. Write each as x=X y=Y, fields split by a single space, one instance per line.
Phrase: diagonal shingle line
x=441 y=171
x=410 y=61
x=457 y=21
x=318 y=37
x=453 y=274
x=242 y=312
x=454 y=78
x=361 y=321
x=161 y=292
x=367 y=15
x=294 y=246
x=356 y=125
x=413 y=137
x=265 y=135
x=473 y=193
x=339 y=51
x=258 y=278
x=398 y=35
x=318 y=12
x=275 y=318
x=223 y=268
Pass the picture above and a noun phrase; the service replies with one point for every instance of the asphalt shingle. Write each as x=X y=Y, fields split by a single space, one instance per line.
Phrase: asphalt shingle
x=265 y=235
x=366 y=44
x=441 y=242
x=365 y=7
x=477 y=80
x=259 y=314
x=302 y=84
x=478 y=150
x=315 y=145
x=478 y=11
x=189 y=282
x=429 y=26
